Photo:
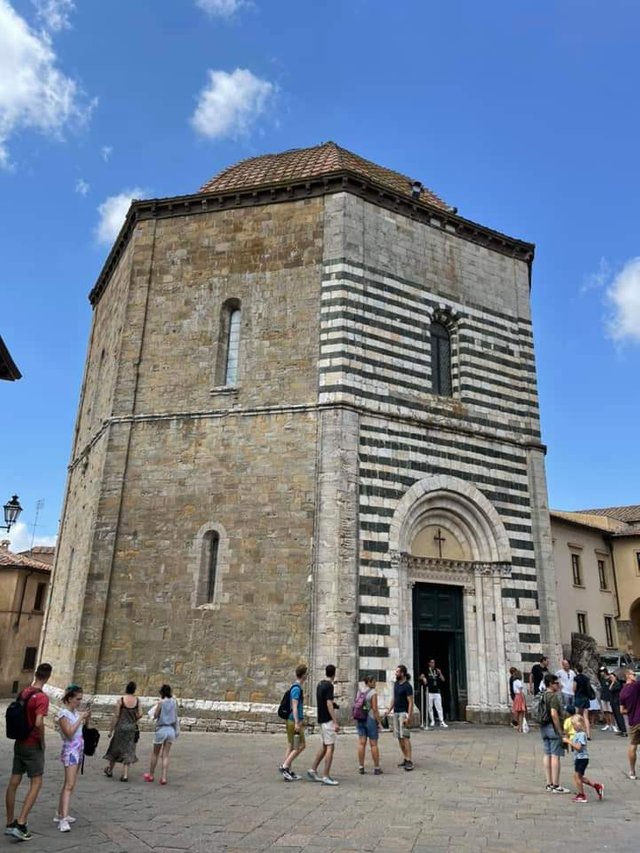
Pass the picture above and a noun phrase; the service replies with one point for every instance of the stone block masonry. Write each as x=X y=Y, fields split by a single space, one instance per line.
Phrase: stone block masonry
x=318 y=473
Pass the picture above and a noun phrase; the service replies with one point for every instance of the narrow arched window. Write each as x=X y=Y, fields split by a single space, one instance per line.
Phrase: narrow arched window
x=233 y=346
x=228 y=352
x=440 y=360
x=210 y=544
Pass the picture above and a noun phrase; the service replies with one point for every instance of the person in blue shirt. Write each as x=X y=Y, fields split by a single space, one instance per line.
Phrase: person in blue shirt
x=295 y=726
x=578 y=742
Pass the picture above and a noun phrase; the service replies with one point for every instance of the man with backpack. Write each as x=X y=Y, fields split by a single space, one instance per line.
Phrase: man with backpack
x=550 y=716
x=294 y=701
x=25 y=724
x=329 y=728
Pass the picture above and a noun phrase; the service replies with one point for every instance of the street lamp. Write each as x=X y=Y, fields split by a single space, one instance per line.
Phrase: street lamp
x=12 y=510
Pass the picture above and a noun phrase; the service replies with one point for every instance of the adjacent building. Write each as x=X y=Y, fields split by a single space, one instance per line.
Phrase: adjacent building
x=24 y=585
x=597 y=558
x=308 y=431
x=8 y=368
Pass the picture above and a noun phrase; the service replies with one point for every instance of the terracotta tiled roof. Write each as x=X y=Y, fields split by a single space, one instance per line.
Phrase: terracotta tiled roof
x=18 y=561
x=300 y=163
x=602 y=523
x=628 y=514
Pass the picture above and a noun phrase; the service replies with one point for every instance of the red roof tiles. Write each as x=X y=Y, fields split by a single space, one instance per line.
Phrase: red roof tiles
x=17 y=561
x=300 y=163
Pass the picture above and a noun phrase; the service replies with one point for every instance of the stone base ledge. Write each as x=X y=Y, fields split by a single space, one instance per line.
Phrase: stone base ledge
x=208 y=715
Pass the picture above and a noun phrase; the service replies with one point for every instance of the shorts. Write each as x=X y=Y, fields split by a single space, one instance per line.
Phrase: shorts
x=399 y=726
x=580 y=765
x=164 y=734
x=634 y=734
x=71 y=754
x=328 y=733
x=551 y=741
x=581 y=702
x=291 y=730
x=29 y=760
x=605 y=706
x=368 y=728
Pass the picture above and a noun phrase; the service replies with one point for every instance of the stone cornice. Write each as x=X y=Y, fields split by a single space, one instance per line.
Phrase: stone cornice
x=342 y=181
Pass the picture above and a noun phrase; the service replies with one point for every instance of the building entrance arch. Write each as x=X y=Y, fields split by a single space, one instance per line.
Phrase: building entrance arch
x=445 y=533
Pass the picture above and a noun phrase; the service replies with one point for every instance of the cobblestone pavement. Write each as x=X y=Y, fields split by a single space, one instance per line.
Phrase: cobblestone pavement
x=473 y=789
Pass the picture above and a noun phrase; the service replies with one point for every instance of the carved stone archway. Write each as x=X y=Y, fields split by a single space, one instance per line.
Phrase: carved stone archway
x=467 y=515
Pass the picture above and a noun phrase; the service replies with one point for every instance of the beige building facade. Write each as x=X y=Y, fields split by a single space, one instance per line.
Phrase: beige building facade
x=24 y=586
x=597 y=559
x=308 y=431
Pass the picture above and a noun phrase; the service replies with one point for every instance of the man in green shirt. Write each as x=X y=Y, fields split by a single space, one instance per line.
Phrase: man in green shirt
x=552 y=734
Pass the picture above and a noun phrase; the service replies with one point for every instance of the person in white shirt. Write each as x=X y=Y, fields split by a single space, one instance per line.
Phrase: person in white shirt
x=565 y=676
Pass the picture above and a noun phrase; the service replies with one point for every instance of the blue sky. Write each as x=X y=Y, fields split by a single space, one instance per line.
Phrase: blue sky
x=522 y=114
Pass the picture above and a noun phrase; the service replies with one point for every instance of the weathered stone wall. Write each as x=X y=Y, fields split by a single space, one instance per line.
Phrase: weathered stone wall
x=162 y=455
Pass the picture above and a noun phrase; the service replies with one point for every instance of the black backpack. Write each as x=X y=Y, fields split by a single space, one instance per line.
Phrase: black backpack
x=91 y=738
x=284 y=709
x=18 y=727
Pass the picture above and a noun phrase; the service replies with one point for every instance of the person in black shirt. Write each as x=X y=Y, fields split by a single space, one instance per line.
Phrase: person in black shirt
x=581 y=697
x=536 y=676
x=605 y=699
x=329 y=728
x=402 y=708
x=435 y=679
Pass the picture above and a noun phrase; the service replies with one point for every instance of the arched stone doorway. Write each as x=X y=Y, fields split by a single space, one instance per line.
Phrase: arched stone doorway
x=452 y=555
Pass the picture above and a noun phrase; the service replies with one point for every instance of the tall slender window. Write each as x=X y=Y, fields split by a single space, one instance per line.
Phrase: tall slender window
x=440 y=360
x=233 y=345
x=211 y=544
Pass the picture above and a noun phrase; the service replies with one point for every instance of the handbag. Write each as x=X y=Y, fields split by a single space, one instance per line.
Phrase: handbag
x=525 y=726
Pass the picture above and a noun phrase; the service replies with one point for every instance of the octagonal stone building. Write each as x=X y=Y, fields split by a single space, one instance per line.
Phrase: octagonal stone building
x=308 y=431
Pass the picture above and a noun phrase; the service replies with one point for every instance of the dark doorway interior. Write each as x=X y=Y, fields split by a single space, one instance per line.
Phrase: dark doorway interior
x=439 y=634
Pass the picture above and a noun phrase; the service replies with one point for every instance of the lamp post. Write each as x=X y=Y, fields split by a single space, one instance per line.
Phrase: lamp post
x=12 y=510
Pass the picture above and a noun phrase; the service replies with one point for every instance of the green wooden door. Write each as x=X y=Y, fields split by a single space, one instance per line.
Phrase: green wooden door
x=439 y=609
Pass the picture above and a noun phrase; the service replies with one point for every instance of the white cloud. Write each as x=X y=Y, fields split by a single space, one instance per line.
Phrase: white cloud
x=20 y=538
x=105 y=152
x=34 y=93
x=54 y=14
x=220 y=8
x=112 y=213
x=81 y=187
x=231 y=103
x=623 y=297
x=597 y=280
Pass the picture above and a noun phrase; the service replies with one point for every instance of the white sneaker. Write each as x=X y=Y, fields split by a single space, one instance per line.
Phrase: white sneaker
x=70 y=819
x=63 y=825
x=605 y=729
x=432 y=725
x=444 y=725
x=615 y=729
x=311 y=774
x=327 y=780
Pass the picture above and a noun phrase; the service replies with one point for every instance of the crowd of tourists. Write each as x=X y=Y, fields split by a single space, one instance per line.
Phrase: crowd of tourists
x=568 y=706
x=26 y=717
x=563 y=702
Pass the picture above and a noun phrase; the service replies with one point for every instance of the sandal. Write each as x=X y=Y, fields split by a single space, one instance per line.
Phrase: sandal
x=108 y=772
x=147 y=777
x=163 y=781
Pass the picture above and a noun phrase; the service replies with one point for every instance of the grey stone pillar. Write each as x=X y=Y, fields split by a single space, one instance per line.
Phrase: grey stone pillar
x=541 y=533
x=335 y=575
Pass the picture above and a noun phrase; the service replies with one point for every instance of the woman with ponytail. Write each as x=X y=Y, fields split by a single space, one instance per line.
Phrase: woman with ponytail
x=70 y=720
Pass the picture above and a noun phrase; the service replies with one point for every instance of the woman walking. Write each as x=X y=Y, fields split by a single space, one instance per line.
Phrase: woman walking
x=124 y=733
x=519 y=707
x=369 y=729
x=70 y=720
x=165 y=713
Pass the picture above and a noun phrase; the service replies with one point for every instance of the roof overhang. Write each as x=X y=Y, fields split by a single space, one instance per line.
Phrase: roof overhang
x=8 y=368
x=326 y=184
